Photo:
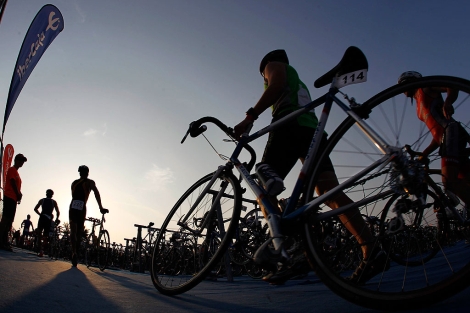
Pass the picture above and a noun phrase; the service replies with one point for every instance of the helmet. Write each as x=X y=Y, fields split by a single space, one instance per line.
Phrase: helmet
x=407 y=76
x=83 y=169
x=273 y=56
x=50 y=191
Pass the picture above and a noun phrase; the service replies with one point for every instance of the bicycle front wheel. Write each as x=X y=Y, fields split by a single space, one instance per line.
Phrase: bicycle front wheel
x=435 y=269
x=202 y=223
x=103 y=250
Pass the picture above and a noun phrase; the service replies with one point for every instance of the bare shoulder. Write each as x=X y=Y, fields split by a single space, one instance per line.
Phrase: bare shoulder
x=91 y=183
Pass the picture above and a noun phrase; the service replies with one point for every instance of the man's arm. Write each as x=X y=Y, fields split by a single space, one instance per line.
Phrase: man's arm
x=37 y=207
x=97 y=195
x=56 y=207
x=276 y=77
x=18 y=193
x=452 y=95
x=432 y=146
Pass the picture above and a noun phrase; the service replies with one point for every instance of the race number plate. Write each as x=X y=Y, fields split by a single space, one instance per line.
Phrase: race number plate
x=351 y=78
x=77 y=205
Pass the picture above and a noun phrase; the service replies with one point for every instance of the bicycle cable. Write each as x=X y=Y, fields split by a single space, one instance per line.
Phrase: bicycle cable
x=223 y=157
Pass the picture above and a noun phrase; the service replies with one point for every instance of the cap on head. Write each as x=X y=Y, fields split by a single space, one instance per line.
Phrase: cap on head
x=20 y=157
x=279 y=55
x=409 y=75
x=83 y=169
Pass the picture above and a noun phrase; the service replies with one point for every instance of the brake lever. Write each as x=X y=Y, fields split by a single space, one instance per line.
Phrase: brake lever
x=184 y=138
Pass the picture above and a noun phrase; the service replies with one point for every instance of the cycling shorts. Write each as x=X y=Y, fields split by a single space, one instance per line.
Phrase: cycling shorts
x=44 y=224
x=454 y=141
x=289 y=143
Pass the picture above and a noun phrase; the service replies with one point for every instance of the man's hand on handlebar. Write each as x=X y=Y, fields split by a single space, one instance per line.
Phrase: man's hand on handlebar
x=242 y=128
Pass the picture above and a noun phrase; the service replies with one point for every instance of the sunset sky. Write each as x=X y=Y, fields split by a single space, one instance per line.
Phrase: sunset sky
x=119 y=86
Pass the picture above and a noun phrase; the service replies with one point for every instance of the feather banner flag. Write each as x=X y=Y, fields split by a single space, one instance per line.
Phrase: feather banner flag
x=47 y=24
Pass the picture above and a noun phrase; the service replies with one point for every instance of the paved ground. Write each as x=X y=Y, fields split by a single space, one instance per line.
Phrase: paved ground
x=32 y=284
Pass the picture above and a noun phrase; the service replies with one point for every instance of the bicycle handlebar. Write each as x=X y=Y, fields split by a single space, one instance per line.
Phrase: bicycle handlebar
x=196 y=128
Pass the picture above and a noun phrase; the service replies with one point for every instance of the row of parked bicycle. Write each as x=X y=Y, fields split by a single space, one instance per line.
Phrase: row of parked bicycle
x=182 y=252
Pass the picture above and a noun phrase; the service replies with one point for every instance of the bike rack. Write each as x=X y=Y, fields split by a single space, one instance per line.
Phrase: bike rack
x=138 y=247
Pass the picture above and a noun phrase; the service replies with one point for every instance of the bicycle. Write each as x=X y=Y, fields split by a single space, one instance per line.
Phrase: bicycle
x=143 y=248
x=97 y=245
x=380 y=170
x=54 y=241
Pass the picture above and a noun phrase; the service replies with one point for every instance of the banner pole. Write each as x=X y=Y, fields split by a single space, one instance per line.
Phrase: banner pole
x=2 y=9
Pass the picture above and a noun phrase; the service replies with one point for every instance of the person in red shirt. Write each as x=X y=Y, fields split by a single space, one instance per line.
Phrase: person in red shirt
x=448 y=134
x=11 y=198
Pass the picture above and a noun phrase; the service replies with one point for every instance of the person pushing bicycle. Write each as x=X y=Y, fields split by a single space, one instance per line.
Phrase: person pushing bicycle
x=48 y=205
x=81 y=189
x=284 y=93
x=447 y=134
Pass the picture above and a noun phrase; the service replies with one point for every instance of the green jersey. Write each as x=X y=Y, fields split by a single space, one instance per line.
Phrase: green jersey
x=295 y=96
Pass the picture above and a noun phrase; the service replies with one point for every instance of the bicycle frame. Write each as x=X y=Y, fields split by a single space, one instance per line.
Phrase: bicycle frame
x=96 y=223
x=291 y=213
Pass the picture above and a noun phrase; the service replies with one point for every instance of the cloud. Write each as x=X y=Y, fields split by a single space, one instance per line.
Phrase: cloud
x=158 y=178
x=92 y=132
x=80 y=12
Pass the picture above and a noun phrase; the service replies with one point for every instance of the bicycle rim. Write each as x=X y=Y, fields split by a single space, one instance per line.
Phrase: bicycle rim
x=89 y=251
x=184 y=253
x=432 y=278
x=103 y=250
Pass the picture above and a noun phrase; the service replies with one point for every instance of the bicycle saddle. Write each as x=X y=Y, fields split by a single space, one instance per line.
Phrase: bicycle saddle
x=353 y=60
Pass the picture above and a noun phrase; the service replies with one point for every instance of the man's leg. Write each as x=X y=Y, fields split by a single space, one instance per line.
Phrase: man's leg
x=352 y=219
x=450 y=179
x=73 y=236
x=5 y=226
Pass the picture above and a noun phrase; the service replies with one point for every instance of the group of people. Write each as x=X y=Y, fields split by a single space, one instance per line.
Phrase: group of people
x=80 y=188
x=284 y=92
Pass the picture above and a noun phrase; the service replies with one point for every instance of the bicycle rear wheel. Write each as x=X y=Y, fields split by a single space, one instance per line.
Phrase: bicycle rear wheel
x=90 y=251
x=103 y=250
x=430 y=277
x=206 y=233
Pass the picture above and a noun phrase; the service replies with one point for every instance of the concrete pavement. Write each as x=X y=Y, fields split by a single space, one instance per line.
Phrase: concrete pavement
x=32 y=284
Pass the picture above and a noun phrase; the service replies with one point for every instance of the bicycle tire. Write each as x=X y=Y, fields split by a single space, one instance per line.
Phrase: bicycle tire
x=392 y=289
x=103 y=250
x=90 y=253
x=192 y=271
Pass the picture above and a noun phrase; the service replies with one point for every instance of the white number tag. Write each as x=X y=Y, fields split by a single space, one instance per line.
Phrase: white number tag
x=77 y=205
x=351 y=78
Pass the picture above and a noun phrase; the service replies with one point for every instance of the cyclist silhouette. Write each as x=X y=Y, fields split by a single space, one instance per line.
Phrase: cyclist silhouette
x=284 y=93
x=26 y=225
x=447 y=134
x=11 y=198
x=48 y=205
x=81 y=189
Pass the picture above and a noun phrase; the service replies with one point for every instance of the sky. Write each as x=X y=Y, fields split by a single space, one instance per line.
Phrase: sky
x=117 y=89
